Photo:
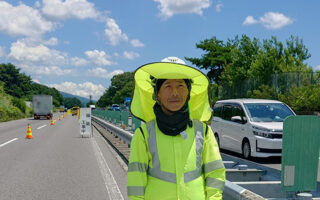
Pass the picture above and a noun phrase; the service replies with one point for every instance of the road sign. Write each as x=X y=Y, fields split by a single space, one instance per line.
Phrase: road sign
x=85 y=122
x=300 y=153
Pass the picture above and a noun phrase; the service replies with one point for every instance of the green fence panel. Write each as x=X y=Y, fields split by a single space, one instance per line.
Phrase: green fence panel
x=117 y=117
x=300 y=153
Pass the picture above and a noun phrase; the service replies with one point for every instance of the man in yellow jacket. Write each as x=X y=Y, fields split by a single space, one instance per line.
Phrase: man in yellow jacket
x=173 y=155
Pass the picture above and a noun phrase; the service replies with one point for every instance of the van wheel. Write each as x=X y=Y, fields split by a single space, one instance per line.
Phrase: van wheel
x=217 y=139
x=246 y=149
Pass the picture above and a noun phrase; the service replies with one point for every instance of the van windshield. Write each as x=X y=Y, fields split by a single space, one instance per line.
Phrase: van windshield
x=268 y=112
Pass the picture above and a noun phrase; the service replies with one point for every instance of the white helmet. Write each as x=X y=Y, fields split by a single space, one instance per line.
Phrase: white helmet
x=173 y=60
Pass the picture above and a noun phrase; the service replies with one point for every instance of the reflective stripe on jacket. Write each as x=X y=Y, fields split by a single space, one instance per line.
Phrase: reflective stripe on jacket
x=175 y=167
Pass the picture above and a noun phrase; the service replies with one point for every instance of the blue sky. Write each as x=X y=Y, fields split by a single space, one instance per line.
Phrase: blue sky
x=77 y=46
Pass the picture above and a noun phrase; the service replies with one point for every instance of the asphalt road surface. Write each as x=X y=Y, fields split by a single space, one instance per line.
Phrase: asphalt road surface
x=57 y=163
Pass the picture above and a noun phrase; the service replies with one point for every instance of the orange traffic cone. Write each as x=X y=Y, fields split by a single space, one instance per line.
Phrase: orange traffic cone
x=59 y=117
x=29 y=132
x=52 y=122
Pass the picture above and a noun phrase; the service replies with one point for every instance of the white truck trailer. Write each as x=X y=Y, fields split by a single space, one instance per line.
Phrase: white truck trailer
x=42 y=106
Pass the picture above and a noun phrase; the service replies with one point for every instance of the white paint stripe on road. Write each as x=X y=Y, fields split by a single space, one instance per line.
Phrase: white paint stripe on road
x=41 y=126
x=1 y=145
x=111 y=184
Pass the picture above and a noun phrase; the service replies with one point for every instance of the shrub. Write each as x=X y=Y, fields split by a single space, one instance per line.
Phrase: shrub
x=305 y=98
x=19 y=103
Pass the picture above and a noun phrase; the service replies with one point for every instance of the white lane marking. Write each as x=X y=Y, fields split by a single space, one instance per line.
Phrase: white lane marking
x=41 y=126
x=1 y=145
x=111 y=185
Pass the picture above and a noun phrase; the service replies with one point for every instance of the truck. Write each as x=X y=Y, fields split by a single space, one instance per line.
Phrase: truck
x=74 y=110
x=42 y=106
x=62 y=109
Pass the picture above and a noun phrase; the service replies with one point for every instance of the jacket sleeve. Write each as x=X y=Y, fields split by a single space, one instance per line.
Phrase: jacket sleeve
x=137 y=168
x=214 y=170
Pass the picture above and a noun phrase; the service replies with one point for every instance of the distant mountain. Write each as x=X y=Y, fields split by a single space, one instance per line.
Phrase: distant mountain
x=83 y=100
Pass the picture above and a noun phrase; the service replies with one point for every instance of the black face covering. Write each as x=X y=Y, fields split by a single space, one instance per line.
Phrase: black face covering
x=172 y=124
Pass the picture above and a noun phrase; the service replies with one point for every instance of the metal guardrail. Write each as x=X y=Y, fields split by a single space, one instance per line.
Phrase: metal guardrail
x=118 y=131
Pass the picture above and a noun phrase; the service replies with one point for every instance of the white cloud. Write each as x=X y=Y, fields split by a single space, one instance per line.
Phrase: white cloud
x=219 y=7
x=99 y=58
x=103 y=73
x=137 y=43
x=83 y=89
x=52 y=41
x=249 y=20
x=67 y=9
x=130 y=55
x=318 y=67
x=76 y=61
x=25 y=51
x=114 y=33
x=270 y=20
x=2 y=52
x=168 y=8
x=23 y=20
x=273 y=20
x=46 y=70
x=36 y=80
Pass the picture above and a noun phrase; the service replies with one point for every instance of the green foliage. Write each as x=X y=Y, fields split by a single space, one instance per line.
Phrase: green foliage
x=71 y=102
x=304 y=98
x=19 y=103
x=264 y=92
x=216 y=58
x=7 y=110
x=16 y=84
x=90 y=103
x=213 y=93
x=126 y=91
x=242 y=59
x=121 y=86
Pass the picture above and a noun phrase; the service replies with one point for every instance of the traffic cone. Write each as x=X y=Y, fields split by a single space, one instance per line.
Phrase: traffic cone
x=59 y=117
x=29 y=132
x=52 y=122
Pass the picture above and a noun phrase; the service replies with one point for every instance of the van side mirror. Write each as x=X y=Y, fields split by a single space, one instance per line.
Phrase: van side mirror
x=238 y=119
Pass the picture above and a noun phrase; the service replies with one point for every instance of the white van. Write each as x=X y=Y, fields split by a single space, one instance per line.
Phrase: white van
x=252 y=127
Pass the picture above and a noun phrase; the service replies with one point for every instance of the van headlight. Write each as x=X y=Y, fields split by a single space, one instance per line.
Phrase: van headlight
x=262 y=132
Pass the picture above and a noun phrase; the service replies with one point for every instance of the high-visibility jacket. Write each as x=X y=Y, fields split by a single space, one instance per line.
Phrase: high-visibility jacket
x=186 y=167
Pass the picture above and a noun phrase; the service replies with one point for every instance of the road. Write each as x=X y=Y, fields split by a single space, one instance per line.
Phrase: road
x=57 y=163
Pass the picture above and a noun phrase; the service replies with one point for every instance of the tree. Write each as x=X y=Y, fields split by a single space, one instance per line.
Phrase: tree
x=71 y=102
x=90 y=103
x=216 y=58
x=126 y=91
x=115 y=94
x=16 y=84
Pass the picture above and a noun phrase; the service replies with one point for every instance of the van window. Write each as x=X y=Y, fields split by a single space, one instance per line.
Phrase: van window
x=227 y=112
x=217 y=110
x=232 y=110
x=237 y=111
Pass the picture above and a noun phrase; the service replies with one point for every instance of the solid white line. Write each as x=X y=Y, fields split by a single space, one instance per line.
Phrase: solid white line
x=1 y=145
x=41 y=126
x=111 y=184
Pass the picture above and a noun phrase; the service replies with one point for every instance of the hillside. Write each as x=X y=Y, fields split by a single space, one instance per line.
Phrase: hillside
x=83 y=100
x=9 y=107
